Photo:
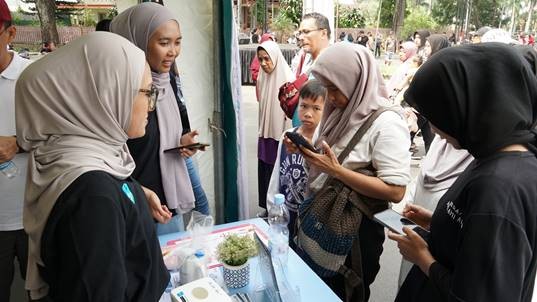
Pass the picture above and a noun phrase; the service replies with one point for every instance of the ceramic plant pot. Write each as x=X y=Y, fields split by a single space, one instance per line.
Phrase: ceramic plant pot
x=236 y=276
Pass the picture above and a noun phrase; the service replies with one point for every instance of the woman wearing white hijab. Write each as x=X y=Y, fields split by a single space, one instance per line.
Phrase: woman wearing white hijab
x=154 y=29
x=75 y=110
x=272 y=120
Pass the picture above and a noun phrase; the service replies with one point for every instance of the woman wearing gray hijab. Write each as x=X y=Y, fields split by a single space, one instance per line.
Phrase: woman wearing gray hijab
x=75 y=110
x=355 y=91
x=154 y=29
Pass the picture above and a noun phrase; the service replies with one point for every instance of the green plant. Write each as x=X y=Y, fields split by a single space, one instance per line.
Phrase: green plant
x=291 y=10
x=418 y=19
x=350 y=18
x=235 y=250
x=283 y=24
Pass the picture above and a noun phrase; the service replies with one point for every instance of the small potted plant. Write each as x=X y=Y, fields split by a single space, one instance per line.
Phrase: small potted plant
x=234 y=253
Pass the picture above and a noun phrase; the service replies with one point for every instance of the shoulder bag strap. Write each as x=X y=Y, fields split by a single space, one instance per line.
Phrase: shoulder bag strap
x=360 y=133
x=357 y=137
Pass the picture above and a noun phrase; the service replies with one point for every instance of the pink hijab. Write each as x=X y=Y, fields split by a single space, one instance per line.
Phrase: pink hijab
x=400 y=73
x=410 y=48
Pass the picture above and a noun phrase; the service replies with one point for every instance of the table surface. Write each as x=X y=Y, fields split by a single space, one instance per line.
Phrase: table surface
x=312 y=288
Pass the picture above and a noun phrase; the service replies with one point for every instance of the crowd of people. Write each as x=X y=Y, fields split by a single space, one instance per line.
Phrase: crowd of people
x=93 y=129
x=474 y=195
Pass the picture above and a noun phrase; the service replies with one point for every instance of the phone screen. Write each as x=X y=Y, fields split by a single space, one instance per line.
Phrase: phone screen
x=395 y=221
x=299 y=140
x=192 y=146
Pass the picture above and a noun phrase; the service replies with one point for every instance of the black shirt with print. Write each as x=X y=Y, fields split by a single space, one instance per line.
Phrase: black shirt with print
x=483 y=235
x=100 y=243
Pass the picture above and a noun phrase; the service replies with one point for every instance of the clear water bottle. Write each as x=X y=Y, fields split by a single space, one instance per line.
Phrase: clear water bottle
x=278 y=219
x=9 y=169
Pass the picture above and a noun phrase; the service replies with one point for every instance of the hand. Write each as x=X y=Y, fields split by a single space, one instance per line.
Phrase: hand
x=188 y=139
x=413 y=248
x=158 y=211
x=326 y=162
x=8 y=148
x=419 y=215
x=290 y=146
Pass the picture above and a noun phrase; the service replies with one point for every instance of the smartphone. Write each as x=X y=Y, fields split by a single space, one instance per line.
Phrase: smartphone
x=395 y=222
x=191 y=146
x=299 y=140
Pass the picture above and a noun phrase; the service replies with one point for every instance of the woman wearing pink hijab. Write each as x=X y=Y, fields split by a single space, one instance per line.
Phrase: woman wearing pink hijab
x=406 y=53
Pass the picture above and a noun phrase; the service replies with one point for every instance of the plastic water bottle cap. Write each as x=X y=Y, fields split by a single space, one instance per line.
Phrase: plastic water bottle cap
x=279 y=199
x=199 y=254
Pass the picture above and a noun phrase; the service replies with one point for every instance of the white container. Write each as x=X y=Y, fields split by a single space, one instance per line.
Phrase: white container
x=194 y=268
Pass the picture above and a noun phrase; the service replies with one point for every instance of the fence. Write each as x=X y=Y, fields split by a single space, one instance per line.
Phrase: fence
x=30 y=35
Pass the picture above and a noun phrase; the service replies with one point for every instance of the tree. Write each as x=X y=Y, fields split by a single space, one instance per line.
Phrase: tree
x=46 y=10
x=386 y=13
x=398 y=17
x=482 y=12
x=291 y=10
x=418 y=19
x=350 y=18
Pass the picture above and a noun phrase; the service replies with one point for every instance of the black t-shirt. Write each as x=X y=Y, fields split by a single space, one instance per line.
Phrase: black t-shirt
x=100 y=243
x=255 y=38
x=483 y=235
x=362 y=40
x=145 y=151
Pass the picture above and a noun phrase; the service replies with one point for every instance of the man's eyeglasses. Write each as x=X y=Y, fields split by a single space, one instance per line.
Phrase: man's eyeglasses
x=152 y=96
x=307 y=31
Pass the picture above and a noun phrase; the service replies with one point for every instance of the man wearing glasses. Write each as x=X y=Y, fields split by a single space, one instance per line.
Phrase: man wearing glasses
x=13 y=239
x=313 y=36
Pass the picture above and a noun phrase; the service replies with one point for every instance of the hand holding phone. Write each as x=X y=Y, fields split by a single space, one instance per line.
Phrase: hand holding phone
x=195 y=146
x=299 y=141
x=395 y=222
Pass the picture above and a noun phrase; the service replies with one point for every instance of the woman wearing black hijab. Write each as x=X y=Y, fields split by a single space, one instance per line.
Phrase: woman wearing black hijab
x=420 y=37
x=482 y=244
x=435 y=43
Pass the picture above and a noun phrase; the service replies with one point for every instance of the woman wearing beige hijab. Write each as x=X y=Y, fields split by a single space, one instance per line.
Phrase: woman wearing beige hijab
x=355 y=91
x=272 y=120
x=154 y=29
x=91 y=235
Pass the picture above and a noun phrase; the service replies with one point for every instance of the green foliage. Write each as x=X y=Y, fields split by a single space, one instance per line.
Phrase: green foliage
x=88 y=19
x=350 y=18
x=260 y=11
x=418 y=19
x=386 y=13
x=283 y=24
x=483 y=12
x=20 y=18
x=235 y=250
x=291 y=10
x=444 y=11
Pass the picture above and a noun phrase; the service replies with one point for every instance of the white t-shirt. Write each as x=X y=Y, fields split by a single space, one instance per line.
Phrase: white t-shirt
x=385 y=145
x=12 y=190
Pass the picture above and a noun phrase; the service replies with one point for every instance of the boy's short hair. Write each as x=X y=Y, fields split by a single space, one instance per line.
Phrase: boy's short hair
x=313 y=89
